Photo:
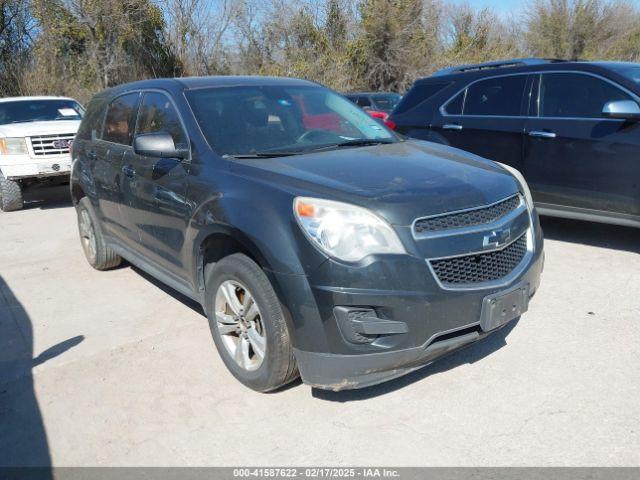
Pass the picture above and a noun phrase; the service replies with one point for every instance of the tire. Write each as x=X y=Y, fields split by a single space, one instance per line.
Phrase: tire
x=98 y=254
x=238 y=275
x=10 y=195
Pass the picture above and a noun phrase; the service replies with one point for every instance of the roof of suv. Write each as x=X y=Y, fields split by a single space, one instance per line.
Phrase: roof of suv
x=213 y=81
x=517 y=65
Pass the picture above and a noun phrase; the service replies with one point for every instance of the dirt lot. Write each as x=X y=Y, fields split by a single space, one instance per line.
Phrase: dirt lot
x=115 y=369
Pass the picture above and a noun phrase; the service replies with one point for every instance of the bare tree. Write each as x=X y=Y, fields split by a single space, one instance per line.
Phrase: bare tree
x=196 y=31
x=16 y=29
x=580 y=28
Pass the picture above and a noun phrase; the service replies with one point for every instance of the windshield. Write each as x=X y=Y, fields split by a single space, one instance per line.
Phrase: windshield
x=387 y=101
x=21 y=111
x=248 y=120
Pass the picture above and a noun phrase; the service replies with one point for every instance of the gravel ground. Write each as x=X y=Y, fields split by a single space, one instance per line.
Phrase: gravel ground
x=114 y=368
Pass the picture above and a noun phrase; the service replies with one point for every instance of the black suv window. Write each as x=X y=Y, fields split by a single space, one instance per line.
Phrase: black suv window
x=91 y=127
x=576 y=95
x=120 y=121
x=418 y=94
x=157 y=114
x=500 y=96
x=364 y=102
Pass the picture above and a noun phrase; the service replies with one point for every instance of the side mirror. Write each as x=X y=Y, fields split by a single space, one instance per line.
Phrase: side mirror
x=622 y=109
x=158 y=145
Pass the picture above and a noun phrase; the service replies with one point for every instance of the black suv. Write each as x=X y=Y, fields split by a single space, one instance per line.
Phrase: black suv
x=315 y=239
x=571 y=128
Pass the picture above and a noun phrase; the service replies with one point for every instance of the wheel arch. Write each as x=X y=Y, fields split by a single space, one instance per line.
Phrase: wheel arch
x=220 y=241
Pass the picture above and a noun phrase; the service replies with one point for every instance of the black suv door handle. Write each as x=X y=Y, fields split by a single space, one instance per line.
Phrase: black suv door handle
x=541 y=134
x=128 y=171
x=451 y=126
x=92 y=155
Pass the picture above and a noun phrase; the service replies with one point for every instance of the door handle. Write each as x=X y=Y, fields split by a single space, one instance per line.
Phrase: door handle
x=92 y=155
x=451 y=126
x=128 y=171
x=541 y=134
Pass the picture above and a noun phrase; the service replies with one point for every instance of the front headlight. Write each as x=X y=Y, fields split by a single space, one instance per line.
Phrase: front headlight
x=344 y=231
x=523 y=184
x=13 y=146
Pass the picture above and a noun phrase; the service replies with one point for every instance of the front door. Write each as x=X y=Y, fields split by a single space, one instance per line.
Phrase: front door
x=573 y=156
x=155 y=188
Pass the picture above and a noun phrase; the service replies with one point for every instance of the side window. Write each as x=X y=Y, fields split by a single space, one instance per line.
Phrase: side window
x=454 y=107
x=576 y=95
x=120 y=120
x=364 y=102
x=500 y=96
x=91 y=126
x=157 y=114
x=418 y=94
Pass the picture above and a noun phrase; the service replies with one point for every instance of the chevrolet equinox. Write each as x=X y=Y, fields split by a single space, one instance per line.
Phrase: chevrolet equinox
x=318 y=242
x=571 y=128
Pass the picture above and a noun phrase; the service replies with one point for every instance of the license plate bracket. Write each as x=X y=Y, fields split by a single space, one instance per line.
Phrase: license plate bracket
x=502 y=307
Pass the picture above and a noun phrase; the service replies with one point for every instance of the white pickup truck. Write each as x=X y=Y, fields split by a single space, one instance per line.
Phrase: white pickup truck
x=36 y=134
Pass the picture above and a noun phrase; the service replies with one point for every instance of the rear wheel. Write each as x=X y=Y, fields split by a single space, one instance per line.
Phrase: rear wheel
x=98 y=254
x=248 y=325
x=10 y=195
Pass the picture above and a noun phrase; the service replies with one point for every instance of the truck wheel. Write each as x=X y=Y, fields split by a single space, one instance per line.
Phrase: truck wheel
x=248 y=325
x=10 y=195
x=98 y=254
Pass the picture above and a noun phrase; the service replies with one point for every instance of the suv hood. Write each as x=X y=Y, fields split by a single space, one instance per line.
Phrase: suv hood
x=29 y=129
x=400 y=181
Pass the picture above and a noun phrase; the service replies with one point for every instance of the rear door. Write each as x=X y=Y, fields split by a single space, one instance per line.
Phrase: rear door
x=155 y=188
x=487 y=118
x=106 y=152
x=573 y=156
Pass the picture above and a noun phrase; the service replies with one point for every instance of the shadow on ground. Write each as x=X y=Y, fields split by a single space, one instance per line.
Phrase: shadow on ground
x=47 y=197
x=23 y=439
x=591 y=233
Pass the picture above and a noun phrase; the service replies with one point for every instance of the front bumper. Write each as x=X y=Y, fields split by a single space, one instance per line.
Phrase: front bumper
x=17 y=167
x=401 y=289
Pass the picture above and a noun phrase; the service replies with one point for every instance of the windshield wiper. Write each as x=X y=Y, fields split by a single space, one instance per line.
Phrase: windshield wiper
x=261 y=155
x=358 y=142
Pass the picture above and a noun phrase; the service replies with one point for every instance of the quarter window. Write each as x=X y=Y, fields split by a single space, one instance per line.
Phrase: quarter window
x=157 y=114
x=418 y=94
x=500 y=96
x=120 y=121
x=454 y=107
x=576 y=95
x=364 y=102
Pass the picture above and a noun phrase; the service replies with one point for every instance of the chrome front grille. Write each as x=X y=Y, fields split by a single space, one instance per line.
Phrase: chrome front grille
x=480 y=267
x=52 y=145
x=467 y=218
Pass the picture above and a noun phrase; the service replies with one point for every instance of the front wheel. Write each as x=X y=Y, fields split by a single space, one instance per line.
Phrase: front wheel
x=10 y=195
x=248 y=325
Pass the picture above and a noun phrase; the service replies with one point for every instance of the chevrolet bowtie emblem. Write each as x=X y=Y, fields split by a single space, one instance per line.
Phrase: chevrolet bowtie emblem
x=496 y=238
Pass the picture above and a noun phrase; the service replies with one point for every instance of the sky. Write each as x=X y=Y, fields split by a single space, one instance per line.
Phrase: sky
x=503 y=7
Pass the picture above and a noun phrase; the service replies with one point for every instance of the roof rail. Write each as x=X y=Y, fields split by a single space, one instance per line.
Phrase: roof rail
x=514 y=62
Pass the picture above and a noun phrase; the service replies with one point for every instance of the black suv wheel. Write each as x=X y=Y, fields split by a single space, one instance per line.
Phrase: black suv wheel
x=98 y=254
x=248 y=325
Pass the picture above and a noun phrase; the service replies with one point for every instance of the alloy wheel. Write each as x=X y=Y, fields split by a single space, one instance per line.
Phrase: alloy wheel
x=87 y=234
x=239 y=323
